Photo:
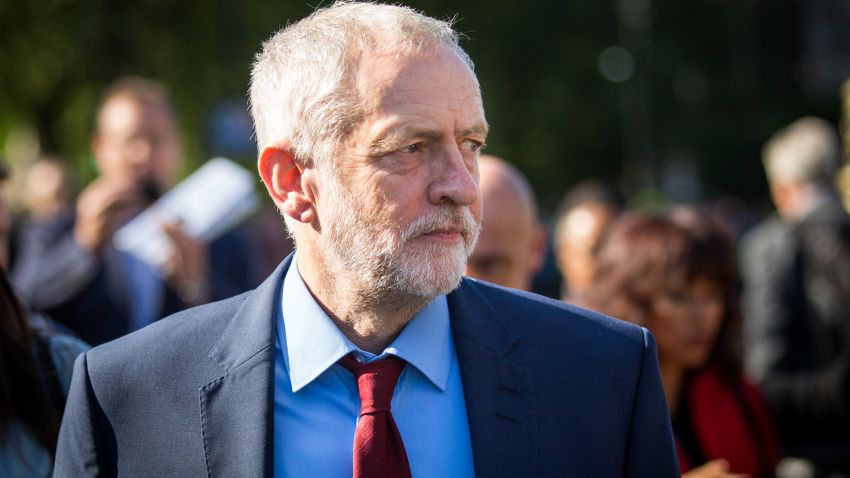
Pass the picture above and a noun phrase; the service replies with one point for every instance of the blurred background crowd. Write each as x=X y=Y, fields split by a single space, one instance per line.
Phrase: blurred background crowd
x=679 y=165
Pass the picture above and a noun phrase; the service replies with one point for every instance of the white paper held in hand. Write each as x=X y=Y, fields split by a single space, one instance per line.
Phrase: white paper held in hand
x=210 y=202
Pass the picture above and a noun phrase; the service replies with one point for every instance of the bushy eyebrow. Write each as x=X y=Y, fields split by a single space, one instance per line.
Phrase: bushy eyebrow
x=395 y=138
x=480 y=129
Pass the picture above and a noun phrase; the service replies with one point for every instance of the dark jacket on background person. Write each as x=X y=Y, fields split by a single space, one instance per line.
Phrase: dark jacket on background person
x=797 y=329
x=91 y=294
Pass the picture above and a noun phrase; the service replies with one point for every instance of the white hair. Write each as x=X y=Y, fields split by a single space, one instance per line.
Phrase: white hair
x=302 y=92
x=805 y=152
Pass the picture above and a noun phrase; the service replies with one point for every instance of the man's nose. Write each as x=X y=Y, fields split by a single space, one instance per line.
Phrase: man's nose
x=139 y=151
x=456 y=179
x=140 y=156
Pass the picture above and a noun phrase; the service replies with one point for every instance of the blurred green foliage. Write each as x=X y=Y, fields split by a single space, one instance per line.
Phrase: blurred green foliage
x=712 y=78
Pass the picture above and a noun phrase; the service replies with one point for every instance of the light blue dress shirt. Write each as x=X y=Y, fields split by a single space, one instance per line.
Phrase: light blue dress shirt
x=317 y=405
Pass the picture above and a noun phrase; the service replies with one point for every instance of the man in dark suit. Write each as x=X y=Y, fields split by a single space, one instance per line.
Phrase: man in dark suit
x=796 y=269
x=365 y=353
x=67 y=266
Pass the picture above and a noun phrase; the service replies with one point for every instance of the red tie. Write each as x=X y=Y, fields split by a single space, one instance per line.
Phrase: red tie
x=378 y=449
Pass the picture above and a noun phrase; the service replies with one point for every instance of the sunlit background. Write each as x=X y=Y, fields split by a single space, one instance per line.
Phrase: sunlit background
x=670 y=99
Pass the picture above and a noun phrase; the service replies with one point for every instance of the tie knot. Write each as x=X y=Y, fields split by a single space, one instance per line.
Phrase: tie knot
x=375 y=381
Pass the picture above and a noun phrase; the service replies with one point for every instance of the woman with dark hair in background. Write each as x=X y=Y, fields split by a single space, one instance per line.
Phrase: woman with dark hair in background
x=676 y=275
x=35 y=373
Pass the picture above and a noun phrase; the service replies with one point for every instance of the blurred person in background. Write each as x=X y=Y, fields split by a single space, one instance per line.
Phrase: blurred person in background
x=47 y=190
x=5 y=218
x=844 y=175
x=796 y=267
x=43 y=196
x=69 y=268
x=512 y=242
x=584 y=213
x=676 y=275
x=35 y=374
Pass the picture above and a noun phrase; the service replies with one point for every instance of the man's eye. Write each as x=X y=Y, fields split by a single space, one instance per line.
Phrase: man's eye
x=411 y=148
x=473 y=145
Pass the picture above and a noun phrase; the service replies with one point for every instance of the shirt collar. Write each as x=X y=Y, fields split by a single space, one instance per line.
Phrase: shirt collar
x=313 y=343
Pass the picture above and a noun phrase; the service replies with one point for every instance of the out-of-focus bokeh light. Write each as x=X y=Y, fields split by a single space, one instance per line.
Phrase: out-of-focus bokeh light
x=616 y=64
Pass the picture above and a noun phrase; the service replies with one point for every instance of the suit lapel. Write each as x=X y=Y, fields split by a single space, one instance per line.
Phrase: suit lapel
x=500 y=399
x=237 y=407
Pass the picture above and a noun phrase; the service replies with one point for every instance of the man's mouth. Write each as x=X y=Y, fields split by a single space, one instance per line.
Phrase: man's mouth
x=443 y=226
x=446 y=234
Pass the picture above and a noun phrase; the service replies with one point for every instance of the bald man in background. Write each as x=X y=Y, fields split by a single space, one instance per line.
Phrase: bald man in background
x=512 y=243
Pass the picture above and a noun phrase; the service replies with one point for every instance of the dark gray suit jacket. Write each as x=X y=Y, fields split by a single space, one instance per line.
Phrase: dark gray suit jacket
x=551 y=390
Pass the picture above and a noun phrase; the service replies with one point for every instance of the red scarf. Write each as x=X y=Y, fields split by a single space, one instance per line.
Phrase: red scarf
x=731 y=424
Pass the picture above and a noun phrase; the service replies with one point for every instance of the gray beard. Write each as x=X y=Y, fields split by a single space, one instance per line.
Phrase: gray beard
x=380 y=264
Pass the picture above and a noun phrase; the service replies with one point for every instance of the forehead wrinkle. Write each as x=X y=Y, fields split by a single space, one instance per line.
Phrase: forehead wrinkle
x=450 y=96
x=479 y=123
x=426 y=109
x=398 y=84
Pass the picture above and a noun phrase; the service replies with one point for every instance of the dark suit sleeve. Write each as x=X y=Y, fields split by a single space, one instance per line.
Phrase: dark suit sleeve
x=51 y=268
x=83 y=447
x=651 y=449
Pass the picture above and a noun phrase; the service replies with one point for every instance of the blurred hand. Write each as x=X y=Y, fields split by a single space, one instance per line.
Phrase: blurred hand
x=713 y=469
x=187 y=270
x=102 y=207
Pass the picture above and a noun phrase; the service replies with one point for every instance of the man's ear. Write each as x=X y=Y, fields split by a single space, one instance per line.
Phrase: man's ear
x=284 y=180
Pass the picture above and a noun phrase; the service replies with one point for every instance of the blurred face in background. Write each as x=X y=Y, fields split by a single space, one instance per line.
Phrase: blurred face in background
x=137 y=139
x=504 y=254
x=674 y=275
x=46 y=189
x=577 y=243
x=511 y=246
x=685 y=321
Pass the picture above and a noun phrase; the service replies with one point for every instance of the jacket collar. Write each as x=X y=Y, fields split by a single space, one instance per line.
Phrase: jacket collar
x=252 y=328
